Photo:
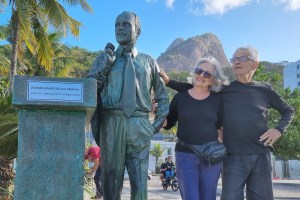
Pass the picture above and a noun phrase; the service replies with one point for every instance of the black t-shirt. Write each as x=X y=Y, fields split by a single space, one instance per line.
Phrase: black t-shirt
x=198 y=120
x=170 y=166
x=163 y=166
x=245 y=111
x=245 y=115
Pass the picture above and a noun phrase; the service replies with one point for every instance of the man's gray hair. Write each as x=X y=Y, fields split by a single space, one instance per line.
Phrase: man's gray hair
x=219 y=79
x=252 y=52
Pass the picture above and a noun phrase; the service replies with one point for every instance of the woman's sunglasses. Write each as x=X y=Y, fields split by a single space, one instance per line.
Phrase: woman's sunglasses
x=199 y=71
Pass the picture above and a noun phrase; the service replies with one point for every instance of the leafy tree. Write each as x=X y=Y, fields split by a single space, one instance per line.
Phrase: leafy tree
x=8 y=129
x=62 y=61
x=4 y=69
x=288 y=145
x=157 y=151
x=29 y=26
x=179 y=76
x=83 y=61
x=8 y=145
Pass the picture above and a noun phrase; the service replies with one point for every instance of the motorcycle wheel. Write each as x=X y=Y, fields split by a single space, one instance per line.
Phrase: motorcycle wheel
x=165 y=187
x=174 y=186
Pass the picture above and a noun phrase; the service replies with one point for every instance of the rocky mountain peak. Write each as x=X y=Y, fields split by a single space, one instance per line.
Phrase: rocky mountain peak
x=183 y=55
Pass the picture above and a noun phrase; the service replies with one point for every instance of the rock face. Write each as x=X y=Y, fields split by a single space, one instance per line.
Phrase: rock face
x=183 y=55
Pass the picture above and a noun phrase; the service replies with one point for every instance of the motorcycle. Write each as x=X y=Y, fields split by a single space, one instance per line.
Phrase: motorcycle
x=171 y=181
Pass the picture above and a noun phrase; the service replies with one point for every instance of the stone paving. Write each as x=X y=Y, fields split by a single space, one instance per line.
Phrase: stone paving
x=283 y=190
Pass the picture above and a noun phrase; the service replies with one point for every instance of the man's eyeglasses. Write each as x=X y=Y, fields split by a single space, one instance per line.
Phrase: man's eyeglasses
x=199 y=71
x=241 y=59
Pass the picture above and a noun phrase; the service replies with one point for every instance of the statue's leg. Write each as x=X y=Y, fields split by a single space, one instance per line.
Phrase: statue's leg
x=137 y=158
x=112 y=144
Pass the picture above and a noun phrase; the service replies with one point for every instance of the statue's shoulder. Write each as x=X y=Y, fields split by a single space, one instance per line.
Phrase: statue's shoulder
x=146 y=57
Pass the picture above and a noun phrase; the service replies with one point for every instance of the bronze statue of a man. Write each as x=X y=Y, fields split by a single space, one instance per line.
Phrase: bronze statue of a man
x=126 y=78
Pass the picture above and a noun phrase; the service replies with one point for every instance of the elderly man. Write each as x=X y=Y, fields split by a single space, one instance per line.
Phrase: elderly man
x=246 y=133
x=126 y=78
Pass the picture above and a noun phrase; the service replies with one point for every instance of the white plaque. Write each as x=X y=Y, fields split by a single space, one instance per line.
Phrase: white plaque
x=54 y=91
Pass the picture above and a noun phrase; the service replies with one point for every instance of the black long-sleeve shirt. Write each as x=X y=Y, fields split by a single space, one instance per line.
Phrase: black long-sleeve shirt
x=198 y=120
x=245 y=111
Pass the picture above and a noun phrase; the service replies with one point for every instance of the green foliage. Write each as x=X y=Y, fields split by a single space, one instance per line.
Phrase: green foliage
x=157 y=151
x=83 y=60
x=179 y=76
x=5 y=55
x=72 y=62
x=273 y=78
x=8 y=129
x=288 y=145
x=7 y=176
x=29 y=30
x=269 y=67
x=4 y=86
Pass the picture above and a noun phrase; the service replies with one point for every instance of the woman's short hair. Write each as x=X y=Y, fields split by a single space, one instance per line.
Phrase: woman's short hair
x=219 y=79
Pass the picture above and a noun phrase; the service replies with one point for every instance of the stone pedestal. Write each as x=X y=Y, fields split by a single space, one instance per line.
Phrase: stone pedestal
x=53 y=113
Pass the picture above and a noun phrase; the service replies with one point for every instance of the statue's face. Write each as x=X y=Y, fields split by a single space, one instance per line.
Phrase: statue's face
x=125 y=30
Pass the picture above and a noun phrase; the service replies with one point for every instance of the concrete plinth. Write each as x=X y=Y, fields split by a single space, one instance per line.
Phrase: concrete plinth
x=52 y=117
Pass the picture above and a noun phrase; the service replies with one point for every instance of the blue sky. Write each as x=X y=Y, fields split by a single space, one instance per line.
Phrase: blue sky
x=271 y=26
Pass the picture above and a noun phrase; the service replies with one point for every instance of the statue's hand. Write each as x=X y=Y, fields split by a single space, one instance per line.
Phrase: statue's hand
x=109 y=56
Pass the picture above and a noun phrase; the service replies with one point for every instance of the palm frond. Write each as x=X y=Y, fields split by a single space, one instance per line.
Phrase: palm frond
x=23 y=12
x=45 y=51
x=4 y=65
x=57 y=15
x=4 y=32
x=29 y=39
x=2 y=5
x=8 y=130
x=82 y=3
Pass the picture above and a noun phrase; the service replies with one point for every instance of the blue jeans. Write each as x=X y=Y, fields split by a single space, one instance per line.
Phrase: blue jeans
x=97 y=179
x=196 y=180
x=169 y=174
x=253 y=171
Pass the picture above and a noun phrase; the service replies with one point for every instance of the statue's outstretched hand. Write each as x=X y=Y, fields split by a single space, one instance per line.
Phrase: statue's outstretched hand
x=109 y=56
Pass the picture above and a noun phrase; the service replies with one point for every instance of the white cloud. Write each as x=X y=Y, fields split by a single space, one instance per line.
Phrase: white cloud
x=169 y=3
x=210 y=7
x=290 y=4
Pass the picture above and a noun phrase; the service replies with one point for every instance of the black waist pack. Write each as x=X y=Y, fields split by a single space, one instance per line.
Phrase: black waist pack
x=211 y=152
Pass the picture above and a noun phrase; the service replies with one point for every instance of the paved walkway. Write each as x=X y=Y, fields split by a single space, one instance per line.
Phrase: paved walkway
x=283 y=190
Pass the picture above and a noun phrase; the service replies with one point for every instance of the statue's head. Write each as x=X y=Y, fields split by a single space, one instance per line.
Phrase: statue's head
x=127 y=28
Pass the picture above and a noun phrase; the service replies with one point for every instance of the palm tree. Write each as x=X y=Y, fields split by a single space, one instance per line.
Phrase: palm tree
x=157 y=151
x=62 y=61
x=29 y=24
x=4 y=63
x=2 y=4
x=8 y=145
